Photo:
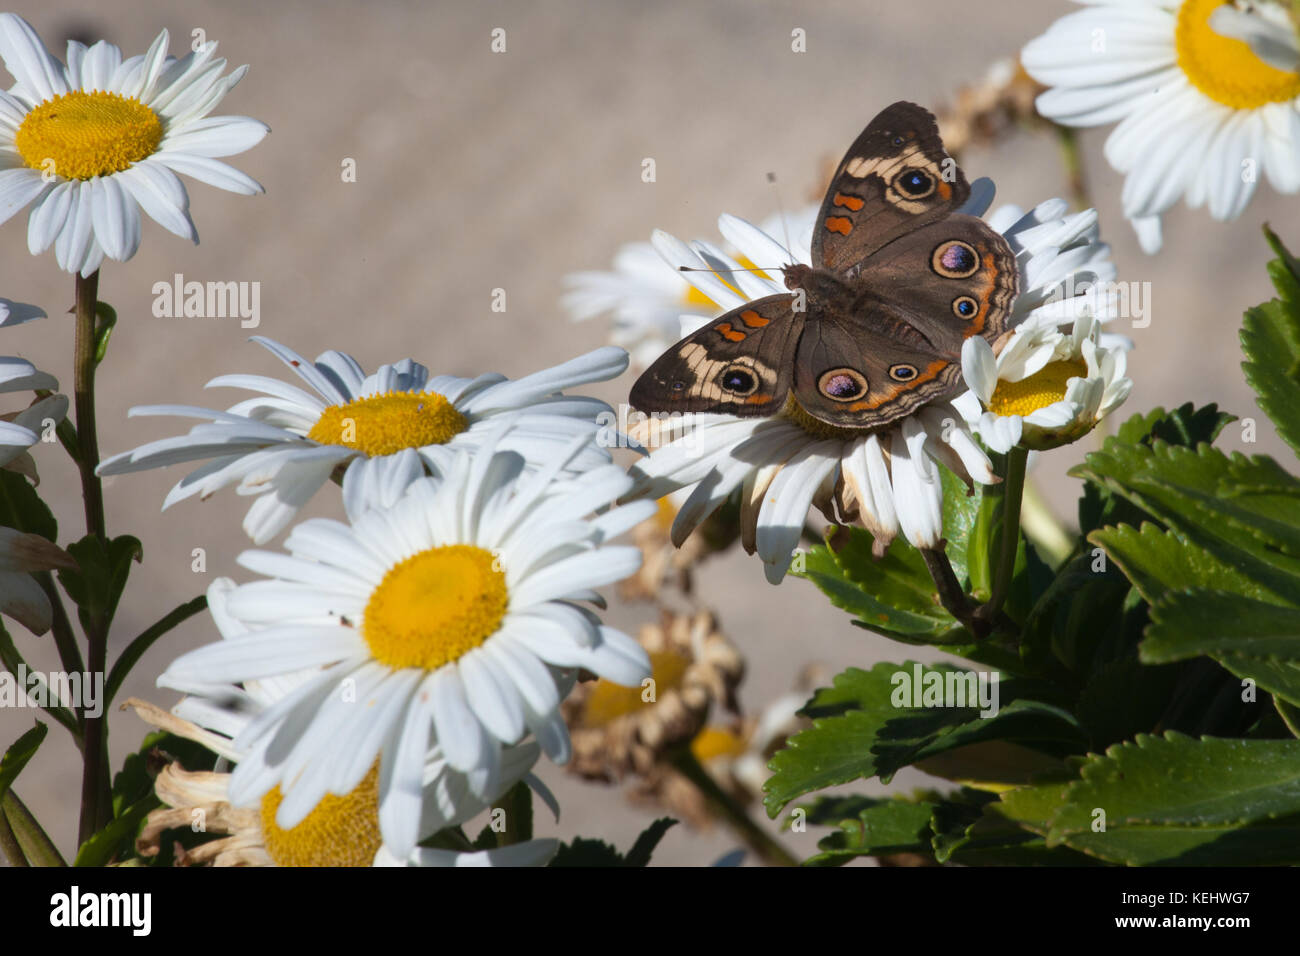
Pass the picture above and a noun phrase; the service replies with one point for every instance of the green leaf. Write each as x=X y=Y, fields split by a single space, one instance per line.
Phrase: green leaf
x=13 y=661
x=870 y=827
x=19 y=752
x=107 y=844
x=1279 y=678
x=1124 y=698
x=518 y=806
x=23 y=509
x=1270 y=339
x=1196 y=621
x=1157 y=561
x=645 y=844
x=1187 y=426
x=893 y=595
x=585 y=852
x=1244 y=511
x=131 y=655
x=1177 y=800
x=97 y=584
x=961 y=508
x=867 y=725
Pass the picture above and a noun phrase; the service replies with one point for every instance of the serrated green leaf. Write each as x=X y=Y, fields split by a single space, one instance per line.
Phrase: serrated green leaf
x=18 y=753
x=1175 y=799
x=1157 y=561
x=1186 y=425
x=585 y=852
x=1279 y=678
x=858 y=732
x=1193 y=622
x=870 y=827
x=645 y=844
x=893 y=595
x=1270 y=339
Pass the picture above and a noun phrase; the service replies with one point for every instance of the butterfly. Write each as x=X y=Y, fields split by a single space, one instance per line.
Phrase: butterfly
x=873 y=329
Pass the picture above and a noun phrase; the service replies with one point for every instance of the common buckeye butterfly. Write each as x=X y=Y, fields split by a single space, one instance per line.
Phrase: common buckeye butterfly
x=874 y=328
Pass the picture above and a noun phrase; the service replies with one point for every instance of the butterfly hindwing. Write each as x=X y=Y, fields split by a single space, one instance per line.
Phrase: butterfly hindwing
x=952 y=279
x=869 y=370
x=740 y=363
x=895 y=177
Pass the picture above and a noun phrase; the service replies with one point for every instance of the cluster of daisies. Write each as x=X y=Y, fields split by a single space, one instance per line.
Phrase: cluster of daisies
x=385 y=678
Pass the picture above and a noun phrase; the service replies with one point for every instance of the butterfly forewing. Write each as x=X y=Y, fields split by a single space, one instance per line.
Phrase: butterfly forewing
x=895 y=177
x=738 y=363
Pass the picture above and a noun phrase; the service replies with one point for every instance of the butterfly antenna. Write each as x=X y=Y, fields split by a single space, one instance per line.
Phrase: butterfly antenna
x=780 y=208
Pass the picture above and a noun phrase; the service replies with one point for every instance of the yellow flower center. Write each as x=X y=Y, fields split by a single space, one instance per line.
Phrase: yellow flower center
x=695 y=297
x=341 y=831
x=435 y=606
x=815 y=426
x=1226 y=69
x=714 y=742
x=610 y=701
x=385 y=424
x=1039 y=390
x=665 y=515
x=81 y=135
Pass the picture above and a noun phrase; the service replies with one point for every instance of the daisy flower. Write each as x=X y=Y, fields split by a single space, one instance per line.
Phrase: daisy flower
x=383 y=430
x=339 y=831
x=1045 y=388
x=448 y=620
x=90 y=144
x=886 y=480
x=649 y=303
x=645 y=299
x=21 y=430
x=1205 y=93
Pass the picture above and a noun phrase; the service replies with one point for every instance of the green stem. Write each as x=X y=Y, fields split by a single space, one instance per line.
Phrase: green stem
x=759 y=840
x=36 y=844
x=1072 y=157
x=1017 y=459
x=95 y=795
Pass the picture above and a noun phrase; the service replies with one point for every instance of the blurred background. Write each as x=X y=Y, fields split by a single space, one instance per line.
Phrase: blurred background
x=477 y=171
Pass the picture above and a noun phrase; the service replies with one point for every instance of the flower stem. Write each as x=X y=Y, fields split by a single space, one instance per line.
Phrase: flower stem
x=758 y=840
x=95 y=796
x=1017 y=460
x=1073 y=160
x=951 y=594
x=92 y=491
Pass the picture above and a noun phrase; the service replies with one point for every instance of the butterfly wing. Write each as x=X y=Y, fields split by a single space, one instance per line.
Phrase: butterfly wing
x=899 y=347
x=895 y=178
x=740 y=363
x=870 y=369
x=952 y=279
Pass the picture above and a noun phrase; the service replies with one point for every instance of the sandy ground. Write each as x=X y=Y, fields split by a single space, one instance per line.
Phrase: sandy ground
x=478 y=171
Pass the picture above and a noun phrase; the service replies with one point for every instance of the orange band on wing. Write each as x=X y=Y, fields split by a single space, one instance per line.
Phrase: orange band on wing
x=839 y=224
x=976 y=325
x=852 y=202
x=753 y=319
x=945 y=191
x=931 y=372
x=728 y=333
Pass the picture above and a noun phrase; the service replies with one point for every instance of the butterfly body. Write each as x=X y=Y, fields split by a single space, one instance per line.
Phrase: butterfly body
x=873 y=329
